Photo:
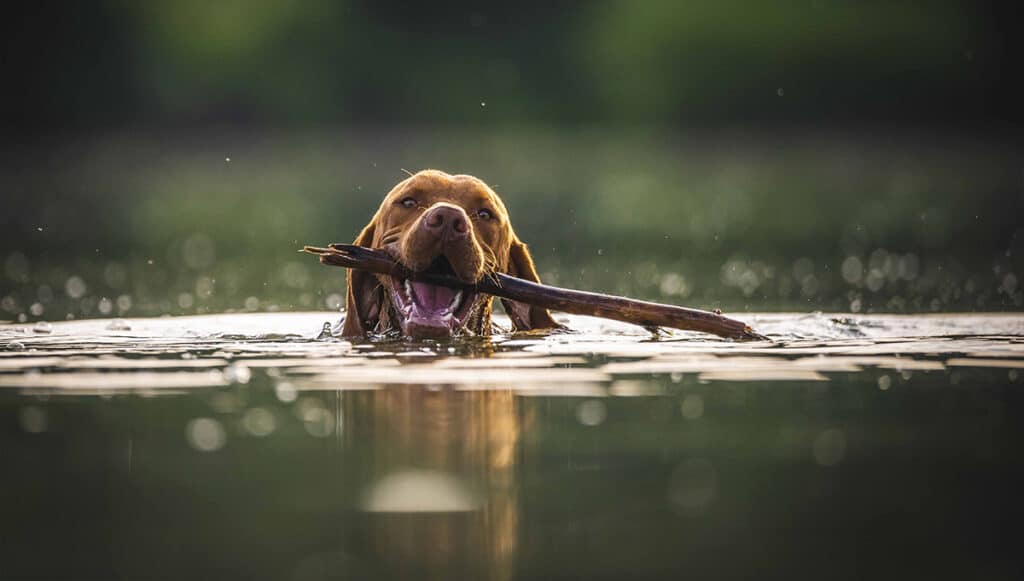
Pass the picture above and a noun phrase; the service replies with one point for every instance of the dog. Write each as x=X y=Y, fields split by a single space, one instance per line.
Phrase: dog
x=450 y=224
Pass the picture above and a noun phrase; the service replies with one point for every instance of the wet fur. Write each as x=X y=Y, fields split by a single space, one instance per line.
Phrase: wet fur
x=492 y=246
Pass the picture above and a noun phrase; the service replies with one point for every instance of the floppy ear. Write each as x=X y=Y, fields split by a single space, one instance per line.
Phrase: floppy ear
x=525 y=317
x=362 y=300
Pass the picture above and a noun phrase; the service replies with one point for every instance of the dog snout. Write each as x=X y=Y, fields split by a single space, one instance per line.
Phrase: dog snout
x=446 y=222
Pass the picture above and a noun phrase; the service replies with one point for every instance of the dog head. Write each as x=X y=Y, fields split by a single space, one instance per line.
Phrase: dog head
x=451 y=224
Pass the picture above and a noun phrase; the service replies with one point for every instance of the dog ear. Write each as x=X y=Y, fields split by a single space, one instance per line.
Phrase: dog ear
x=525 y=317
x=362 y=300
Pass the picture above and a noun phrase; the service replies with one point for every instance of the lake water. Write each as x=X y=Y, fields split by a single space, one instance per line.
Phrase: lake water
x=248 y=446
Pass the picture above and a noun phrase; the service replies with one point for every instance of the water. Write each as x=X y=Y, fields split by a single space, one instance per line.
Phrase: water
x=242 y=446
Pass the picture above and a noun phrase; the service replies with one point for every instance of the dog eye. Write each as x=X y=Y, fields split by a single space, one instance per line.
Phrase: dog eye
x=484 y=214
x=408 y=203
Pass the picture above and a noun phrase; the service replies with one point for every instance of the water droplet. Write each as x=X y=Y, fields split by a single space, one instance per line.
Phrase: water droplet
x=285 y=392
x=318 y=422
x=205 y=434
x=119 y=325
x=36 y=309
x=75 y=287
x=591 y=412
x=673 y=284
x=237 y=373
x=42 y=327
x=875 y=280
x=15 y=346
x=334 y=301
x=204 y=287
x=853 y=270
x=884 y=382
x=259 y=422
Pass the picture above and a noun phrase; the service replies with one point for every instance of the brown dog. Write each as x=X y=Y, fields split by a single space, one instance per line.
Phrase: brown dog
x=451 y=224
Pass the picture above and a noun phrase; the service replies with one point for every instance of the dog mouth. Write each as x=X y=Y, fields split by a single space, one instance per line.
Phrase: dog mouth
x=430 y=311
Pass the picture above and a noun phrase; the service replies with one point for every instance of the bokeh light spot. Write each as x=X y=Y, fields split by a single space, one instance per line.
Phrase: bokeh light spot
x=286 y=392
x=205 y=434
x=829 y=447
x=75 y=287
x=692 y=407
x=591 y=412
x=259 y=422
x=33 y=419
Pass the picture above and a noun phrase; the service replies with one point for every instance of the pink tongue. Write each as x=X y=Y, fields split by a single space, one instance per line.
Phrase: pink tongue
x=432 y=298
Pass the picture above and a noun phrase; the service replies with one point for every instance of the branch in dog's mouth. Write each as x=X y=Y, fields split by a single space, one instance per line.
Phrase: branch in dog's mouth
x=437 y=303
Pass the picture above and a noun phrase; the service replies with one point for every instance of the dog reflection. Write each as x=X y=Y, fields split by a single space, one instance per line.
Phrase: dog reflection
x=443 y=503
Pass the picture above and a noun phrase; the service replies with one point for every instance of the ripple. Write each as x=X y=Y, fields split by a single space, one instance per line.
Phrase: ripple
x=99 y=356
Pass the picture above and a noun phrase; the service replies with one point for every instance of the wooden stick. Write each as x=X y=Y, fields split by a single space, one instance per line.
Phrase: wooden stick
x=576 y=302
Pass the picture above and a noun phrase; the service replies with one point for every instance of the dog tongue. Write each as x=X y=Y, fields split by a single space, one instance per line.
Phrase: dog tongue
x=432 y=298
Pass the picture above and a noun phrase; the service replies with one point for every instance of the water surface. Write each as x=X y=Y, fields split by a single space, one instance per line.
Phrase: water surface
x=251 y=446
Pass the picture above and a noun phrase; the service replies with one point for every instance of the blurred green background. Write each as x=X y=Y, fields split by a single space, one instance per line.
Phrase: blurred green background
x=170 y=157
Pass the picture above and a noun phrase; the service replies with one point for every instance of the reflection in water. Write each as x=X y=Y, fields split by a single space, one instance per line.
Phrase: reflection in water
x=584 y=455
x=442 y=496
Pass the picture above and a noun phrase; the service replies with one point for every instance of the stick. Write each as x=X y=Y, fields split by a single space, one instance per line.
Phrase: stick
x=576 y=302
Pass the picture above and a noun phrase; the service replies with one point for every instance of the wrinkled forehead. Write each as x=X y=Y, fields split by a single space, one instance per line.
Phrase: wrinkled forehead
x=434 y=186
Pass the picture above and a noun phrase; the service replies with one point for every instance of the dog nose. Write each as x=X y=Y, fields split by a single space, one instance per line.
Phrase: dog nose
x=446 y=222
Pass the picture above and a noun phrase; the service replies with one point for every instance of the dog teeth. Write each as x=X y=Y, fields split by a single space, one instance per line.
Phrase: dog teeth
x=408 y=288
x=456 y=301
